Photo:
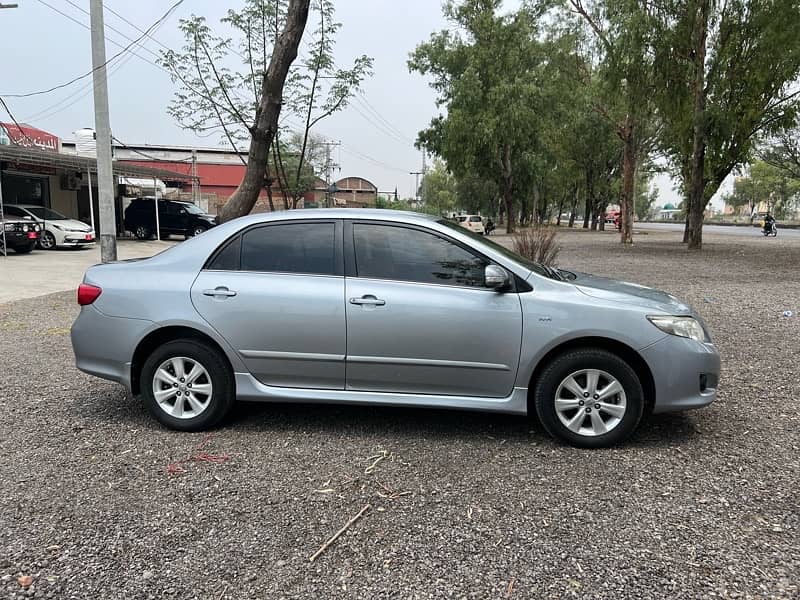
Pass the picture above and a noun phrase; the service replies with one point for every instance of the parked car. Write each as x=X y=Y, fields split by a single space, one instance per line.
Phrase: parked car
x=57 y=230
x=380 y=307
x=174 y=217
x=20 y=233
x=472 y=222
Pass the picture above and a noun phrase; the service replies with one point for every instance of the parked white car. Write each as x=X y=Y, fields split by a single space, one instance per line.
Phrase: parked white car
x=57 y=230
x=472 y=222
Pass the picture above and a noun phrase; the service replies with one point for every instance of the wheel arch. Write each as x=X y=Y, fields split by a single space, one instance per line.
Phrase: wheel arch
x=160 y=336
x=625 y=352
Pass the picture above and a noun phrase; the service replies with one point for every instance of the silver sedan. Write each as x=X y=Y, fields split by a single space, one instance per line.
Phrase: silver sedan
x=384 y=307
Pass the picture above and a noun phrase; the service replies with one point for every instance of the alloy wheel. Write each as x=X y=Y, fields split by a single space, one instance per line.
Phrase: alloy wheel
x=182 y=387
x=47 y=241
x=590 y=402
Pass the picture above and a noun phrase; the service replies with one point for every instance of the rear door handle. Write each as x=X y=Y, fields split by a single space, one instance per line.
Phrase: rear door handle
x=368 y=300
x=219 y=291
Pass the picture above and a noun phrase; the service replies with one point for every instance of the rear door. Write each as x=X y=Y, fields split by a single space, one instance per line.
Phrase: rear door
x=420 y=319
x=276 y=293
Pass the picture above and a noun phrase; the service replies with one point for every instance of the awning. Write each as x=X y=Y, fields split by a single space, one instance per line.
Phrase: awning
x=18 y=155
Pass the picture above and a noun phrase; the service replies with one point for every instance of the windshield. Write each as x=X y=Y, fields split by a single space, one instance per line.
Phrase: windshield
x=45 y=213
x=529 y=264
x=191 y=208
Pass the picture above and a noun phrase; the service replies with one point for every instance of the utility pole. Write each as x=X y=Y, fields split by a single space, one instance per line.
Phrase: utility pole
x=416 y=184
x=195 y=187
x=102 y=125
x=329 y=166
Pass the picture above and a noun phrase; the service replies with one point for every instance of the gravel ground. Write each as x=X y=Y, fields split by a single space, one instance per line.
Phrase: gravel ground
x=702 y=504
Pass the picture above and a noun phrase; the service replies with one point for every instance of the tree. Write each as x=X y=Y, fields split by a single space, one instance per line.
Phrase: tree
x=644 y=197
x=765 y=183
x=214 y=98
x=624 y=33
x=729 y=65
x=487 y=71
x=438 y=189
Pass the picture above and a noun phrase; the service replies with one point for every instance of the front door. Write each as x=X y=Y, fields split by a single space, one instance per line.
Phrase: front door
x=276 y=294
x=420 y=320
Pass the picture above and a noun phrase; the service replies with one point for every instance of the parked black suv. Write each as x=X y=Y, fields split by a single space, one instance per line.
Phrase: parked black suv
x=174 y=216
x=20 y=234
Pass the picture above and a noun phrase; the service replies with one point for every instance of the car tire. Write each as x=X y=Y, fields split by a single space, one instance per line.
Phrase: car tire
x=186 y=408
x=197 y=230
x=595 y=372
x=142 y=233
x=47 y=241
x=25 y=249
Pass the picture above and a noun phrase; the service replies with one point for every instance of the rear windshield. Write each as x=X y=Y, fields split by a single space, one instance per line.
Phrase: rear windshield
x=474 y=219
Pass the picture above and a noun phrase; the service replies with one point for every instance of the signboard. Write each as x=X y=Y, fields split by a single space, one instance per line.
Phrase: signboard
x=29 y=137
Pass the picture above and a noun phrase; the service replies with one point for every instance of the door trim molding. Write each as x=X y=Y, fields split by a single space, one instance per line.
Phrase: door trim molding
x=427 y=362
x=292 y=355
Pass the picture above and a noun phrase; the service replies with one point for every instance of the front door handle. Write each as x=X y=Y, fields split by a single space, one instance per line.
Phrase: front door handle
x=219 y=291
x=368 y=300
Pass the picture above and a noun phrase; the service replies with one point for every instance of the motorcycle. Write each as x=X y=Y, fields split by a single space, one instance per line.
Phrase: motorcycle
x=770 y=229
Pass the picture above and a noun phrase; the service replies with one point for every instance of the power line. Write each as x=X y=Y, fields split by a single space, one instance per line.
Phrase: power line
x=117 y=55
x=13 y=118
x=86 y=12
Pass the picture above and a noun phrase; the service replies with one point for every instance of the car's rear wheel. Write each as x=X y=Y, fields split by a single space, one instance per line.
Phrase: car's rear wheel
x=47 y=241
x=142 y=233
x=590 y=398
x=187 y=385
x=197 y=230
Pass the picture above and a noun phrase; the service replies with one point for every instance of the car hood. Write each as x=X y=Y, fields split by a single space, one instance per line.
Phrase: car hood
x=630 y=293
x=73 y=224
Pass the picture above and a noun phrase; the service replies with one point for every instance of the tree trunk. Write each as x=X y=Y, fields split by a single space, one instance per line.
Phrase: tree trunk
x=507 y=185
x=590 y=200
x=628 y=174
x=267 y=113
x=574 y=205
x=696 y=193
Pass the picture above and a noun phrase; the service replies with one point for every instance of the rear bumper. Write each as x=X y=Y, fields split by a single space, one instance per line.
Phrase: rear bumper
x=685 y=373
x=104 y=345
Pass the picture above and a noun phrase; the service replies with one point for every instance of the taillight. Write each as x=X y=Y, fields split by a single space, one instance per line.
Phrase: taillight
x=88 y=293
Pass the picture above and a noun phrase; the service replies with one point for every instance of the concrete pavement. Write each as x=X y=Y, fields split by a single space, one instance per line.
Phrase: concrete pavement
x=44 y=272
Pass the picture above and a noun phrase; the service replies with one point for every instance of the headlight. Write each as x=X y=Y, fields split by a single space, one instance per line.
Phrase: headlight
x=25 y=228
x=36 y=228
x=687 y=327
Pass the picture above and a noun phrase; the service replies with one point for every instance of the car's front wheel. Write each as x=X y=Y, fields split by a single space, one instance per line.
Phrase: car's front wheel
x=590 y=398
x=187 y=385
x=47 y=241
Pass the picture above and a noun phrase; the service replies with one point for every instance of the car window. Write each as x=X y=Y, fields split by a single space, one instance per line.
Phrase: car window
x=45 y=213
x=290 y=248
x=403 y=254
x=227 y=259
x=474 y=219
x=461 y=219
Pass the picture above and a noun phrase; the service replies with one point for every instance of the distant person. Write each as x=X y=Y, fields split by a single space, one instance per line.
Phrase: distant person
x=489 y=226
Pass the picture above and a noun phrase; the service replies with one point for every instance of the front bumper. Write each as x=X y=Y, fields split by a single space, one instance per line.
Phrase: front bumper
x=685 y=373
x=104 y=345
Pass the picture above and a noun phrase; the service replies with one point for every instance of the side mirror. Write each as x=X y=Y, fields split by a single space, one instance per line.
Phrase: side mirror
x=495 y=277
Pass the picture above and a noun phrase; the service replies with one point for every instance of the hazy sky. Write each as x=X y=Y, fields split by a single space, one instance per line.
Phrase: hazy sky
x=43 y=48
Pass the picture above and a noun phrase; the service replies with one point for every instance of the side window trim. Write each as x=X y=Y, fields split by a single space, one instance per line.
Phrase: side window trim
x=337 y=239
x=351 y=268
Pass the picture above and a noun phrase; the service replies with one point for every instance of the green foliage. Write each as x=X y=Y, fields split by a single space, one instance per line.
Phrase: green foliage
x=438 y=189
x=220 y=79
x=769 y=184
x=488 y=72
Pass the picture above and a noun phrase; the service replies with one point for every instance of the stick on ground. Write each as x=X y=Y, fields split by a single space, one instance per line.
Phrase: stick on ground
x=338 y=533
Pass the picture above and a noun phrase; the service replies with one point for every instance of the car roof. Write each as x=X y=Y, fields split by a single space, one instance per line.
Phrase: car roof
x=380 y=214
